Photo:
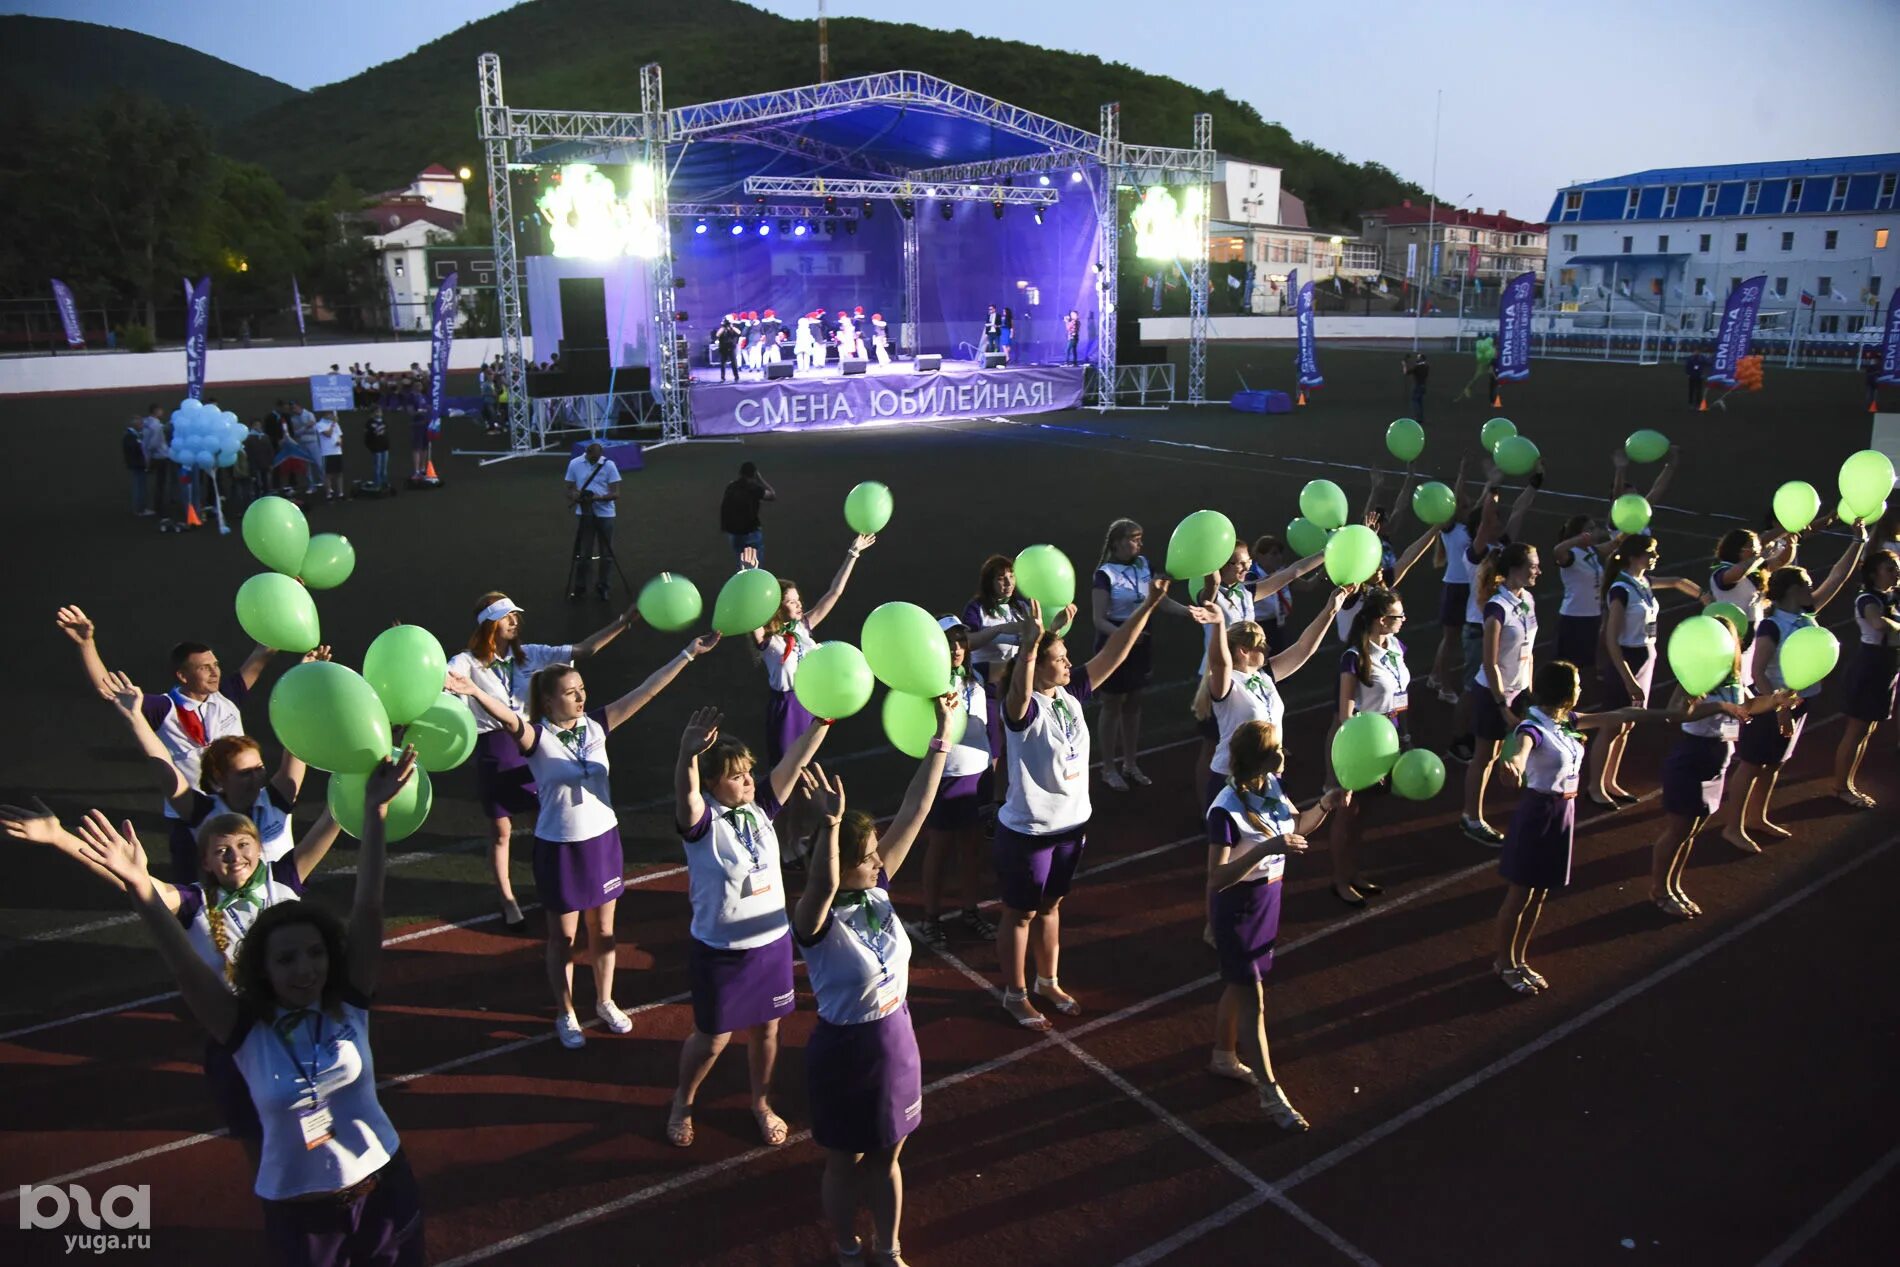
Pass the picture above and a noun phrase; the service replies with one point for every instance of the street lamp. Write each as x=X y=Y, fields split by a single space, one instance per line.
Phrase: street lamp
x=464 y=173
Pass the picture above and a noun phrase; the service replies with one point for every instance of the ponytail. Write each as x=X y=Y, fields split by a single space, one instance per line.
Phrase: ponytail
x=1628 y=547
x=1120 y=530
x=1373 y=607
x=1497 y=565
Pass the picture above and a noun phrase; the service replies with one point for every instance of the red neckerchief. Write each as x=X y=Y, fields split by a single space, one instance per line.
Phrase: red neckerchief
x=188 y=719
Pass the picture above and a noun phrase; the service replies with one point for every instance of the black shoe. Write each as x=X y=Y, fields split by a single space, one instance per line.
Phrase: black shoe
x=1355 y=900
x=601 y=593
x=1462 y=750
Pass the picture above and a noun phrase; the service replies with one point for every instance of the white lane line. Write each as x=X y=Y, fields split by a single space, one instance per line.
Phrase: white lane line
x=1785 y=1252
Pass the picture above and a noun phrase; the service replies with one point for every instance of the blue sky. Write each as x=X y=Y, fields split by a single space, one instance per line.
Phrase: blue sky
x=1536 y=94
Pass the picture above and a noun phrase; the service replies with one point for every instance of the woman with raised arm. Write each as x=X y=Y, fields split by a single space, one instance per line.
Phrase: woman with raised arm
x=739 y=956
x=1743 y=564
x=501 y=665
x=1628 y=662
x=335 y=1185
x=1873 y=676
x=1488 y=533
x=578 y=862
x=1505 y=579
x=1234 y=594
x=862 y=1067
x=1373 y=678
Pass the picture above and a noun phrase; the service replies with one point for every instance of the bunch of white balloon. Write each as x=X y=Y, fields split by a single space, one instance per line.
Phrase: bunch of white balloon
x=204 y=437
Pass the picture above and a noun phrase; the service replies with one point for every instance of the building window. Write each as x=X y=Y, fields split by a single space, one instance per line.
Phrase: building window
x=1787 y=241
x=1701 y=285
x=1823 y=287
x=1855 y=323
x=1873 y=287
x=1830 y=239
x=1629 y=243
x=1794 y=196
x=1837 y=200
x=1567 y=277
x=1570 y=241
x=1741 y=241
x=1702 y=243
x=1734 y=284
x=1662 y=243
x=1830 y=325
x=1880 y=239
x=1573 y=203
x=1751 y=196
x=1669 y=199
x=1781 y=288
x=1885 y=201
x=1708 y=199
x=1629 y=204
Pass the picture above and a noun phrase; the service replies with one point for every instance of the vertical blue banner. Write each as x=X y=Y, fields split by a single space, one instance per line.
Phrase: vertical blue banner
x=1309 y=356
x=1438 y=252
x=68 y=314
x=1514 y=328
x=441 y=334
x=1738 y=329
x=296 y=301
x=1246 y=289
x=1890 y=343
x=1292 y=296
x=197 y=318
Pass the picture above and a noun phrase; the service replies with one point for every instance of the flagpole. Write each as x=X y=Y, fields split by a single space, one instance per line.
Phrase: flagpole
x=1431 y=214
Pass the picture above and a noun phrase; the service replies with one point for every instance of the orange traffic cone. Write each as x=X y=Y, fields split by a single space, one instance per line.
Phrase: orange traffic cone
x=430 y=473
x=1302 y=399
x=1702 y=406
x=1497 y=401
x=1873 y=406
x=191 y=517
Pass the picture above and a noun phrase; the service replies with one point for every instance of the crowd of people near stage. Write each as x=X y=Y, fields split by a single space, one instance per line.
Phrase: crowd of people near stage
x=782 y=859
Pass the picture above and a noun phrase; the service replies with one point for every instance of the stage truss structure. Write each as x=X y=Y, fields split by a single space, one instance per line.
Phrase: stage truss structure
x=512 y=139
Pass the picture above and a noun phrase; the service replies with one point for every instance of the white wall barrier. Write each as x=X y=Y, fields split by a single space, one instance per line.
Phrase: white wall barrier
x=164 y=372
x=1281 y=329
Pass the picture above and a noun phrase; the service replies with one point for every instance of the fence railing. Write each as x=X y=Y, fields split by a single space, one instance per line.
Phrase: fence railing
x=32 y=326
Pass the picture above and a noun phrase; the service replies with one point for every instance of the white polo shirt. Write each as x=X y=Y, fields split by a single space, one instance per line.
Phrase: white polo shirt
x=1227 y=824
x=782 y=652
x=570 y=771
x=1516 y=617
x=1638 y=627
x=1250 y=697
x=186 y=737
x=581 y=475
x=1555 y=762
x=507 y=679
x=732 y=874
x=859 y=963
x=1388 y=693
x=234 y=912
x=1127 y=586
x=970 y=754
x=1049 y=762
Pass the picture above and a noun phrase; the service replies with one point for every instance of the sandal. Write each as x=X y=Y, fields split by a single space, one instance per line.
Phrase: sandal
x=1777 y=831
x=1683 y=900
x=1369 y=887
x=679 y=1127
x=852 y=1256
x=1600 y=802
x=1226 y=1064
x=772 y=1128
x=1136 y=777
x=1668 y=904
x=1533 y=976
x=1057 y=997
x=1854 y=797
x=1113 y=778
x=1351 y=897
x=1018 y=1006
x=892 y=1257
x=1515 y=981
x=1285 y=1116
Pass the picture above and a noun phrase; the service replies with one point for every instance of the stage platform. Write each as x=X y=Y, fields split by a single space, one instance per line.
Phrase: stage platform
x=896 y=393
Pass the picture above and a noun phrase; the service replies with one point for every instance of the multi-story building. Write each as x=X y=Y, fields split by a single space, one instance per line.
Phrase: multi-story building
x=1676 y=240
x=1255 y=220
x=1418 y=242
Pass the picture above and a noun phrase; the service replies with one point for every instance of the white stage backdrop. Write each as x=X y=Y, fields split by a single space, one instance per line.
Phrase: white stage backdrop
x=629 y=303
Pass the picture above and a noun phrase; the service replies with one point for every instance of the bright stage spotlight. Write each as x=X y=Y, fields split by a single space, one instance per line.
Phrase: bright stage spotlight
x=765 y=230
x=1042 y=180
x=737 y=229
x=1075 y=175
x=700 y=225
x=798 y=230
x=1038 y=214
x=947 y=209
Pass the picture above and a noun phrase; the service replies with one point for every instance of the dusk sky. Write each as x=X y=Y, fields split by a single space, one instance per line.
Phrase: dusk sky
x=1535 y=94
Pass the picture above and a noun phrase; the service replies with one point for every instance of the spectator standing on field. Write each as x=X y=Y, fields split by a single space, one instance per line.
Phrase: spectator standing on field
x=132 y=450
x=259 y=454
x=155 y=438
x=1414 y=367
x=330 y=452
x=1696 y=368
x=739 y=512
x=376 y=444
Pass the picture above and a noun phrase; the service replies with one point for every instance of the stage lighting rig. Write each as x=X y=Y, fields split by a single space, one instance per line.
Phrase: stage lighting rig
x=946 y=209
x=867 y=208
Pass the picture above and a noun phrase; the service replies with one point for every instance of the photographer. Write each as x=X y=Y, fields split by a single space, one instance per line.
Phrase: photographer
x=593 y=485
x=727 y=339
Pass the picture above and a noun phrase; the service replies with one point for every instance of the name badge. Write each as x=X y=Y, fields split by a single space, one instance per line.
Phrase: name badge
x=315 y=1124
x=1649 y=631
x=888 y=995
x=757 y=883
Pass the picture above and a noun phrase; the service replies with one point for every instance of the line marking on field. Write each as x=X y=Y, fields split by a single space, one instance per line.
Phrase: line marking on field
x=1785 y=1252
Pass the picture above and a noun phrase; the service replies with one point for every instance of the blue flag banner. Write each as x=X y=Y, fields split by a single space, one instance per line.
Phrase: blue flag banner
x=1438 y=249
x=1292 y=296
x=1738 y=329
x=441 y=334
x=1514 y=328
x=1246 y=289
x=1890 y=343
x=1309 y=356
x=68 y=314
x=296 y=301
x=197 y=317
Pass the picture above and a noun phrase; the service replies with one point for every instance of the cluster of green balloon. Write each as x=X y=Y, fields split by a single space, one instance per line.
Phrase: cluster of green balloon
x=1202 y=544
x=1324 y=503
x=910 y=723
x=408 y=809
x=1419 y=775
x=1494 y=432
x=834 y=680
x=327 y=561
x=746 y=602
x=330 y=717
x=1796 y=505
x=1045 y=574
x=867 y=508
x=1405 y=439
x=1305 y=538
x=1630 y=513
x=1352 y=555
x=1434 y=503
x=1515 y=455
x=1487 y=350
x=1807 y=656
x=906 y=649
x=1646 y=446
x=1702 y=654
x=1866 y=481
x=276 y=532
x=406 y=668
x=671 y=603
x=1364 y=751
x=277 y=611
x=444 y=736
x=1731 y=615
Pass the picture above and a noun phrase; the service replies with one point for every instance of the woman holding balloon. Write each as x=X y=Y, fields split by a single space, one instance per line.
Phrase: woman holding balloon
x=1123 y=582
x=577 y=856
x=1504 y=671
x=1241 y=684
x=501 y=666
x=1373 y=679
x=1628 y=647
x=1743 y=565
x=1872 y=679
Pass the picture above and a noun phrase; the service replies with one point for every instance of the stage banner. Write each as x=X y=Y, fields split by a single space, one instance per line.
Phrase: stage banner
x=198 y=316
x=812 y=404
x=1738 y=329
x=1890 y=343
x=1514 y=328
x=1438 y=249
x=1309 y=356
x=296 y=301
x=68 y=314
x=441 y=334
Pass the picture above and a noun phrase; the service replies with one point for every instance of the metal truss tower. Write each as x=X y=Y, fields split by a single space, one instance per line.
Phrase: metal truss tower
x=1197 y=276
x=668 y=371
x=1107 y=252
x=501 y=213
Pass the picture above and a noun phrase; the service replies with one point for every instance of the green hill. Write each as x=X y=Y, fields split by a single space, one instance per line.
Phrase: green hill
x=381 y=127
x=50 y=66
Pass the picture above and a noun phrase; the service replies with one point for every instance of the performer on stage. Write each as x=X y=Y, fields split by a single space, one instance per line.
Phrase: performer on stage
x=727 y=339
x=751 y=342
x=1072 y=327
x=992 y=330
x=1008 y=334
x=847 y=337
x=770 y=328
x=857 y=333
x=805 y=348
x=881 y=338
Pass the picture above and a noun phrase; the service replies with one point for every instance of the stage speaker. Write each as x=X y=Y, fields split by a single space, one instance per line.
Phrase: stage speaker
x=584 y=312
x=589 y=370
x=853 y=367
x=929 y=362
x=779 y=369
x=994 y=360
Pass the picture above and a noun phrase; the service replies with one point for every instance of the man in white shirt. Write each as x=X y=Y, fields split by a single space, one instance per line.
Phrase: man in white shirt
x=593 y=486
x=330 y=453
x=303 y=428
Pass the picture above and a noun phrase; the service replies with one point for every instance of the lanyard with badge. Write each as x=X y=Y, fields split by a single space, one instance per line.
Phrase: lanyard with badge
x=879 y=944
x=1569 y=745
x=1070 y=727
x=758 y=880
x=503 y=670
x=1393 y=663
x=1646 y=598
x=1257 y=686
x=315 y=1120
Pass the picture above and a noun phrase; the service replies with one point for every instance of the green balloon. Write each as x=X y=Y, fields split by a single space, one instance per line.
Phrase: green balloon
x=1045 y=574
x=906 y=650
x=1866 y=480
x=1405 y=439
x=1515 y=455
x=1364 y=751
x=1807 y=656
x=1352 y=555
x=1701 y=654
x=407 y=809
x=669 y=602
x=1434 y=503
x=1202 y=543
x=1646 y=446
x=1796 y=505
x=867 y=508
x=746 y=601
x=1324 y=502
x=910 y=723
x=330 y=717
x=1305 y=538
x=327 y=561
x=277 y=533
x=1848 y=515
x=834 y=681
x=1730 y=614
x=1418 y=775
x=1494 y=432
x=444 y=736
x=406 y=668
x=278 y=612
x=1630 y=513
x=1487 y=350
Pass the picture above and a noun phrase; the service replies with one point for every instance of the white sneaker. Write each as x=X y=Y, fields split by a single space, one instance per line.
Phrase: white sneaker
x=612 y=1017
x=568 y=1030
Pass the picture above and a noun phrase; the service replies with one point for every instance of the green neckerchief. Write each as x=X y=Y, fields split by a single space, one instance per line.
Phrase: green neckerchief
x=848 y=898
x=250 y=893
x=1060 y=708
x=292 y=1018
x=576 y=737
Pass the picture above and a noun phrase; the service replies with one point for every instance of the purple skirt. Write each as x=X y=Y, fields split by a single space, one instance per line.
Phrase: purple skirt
x=1246 y=922
x=502 y=778
x=380 y=1228
x=865 y=1083
x=231 y=1093
x=960 y=801
x=1134 y=672
x=1642 y=667
x=1578 y=638
x=1488 y=721
x=1453 y=596
x=785 y=720
x=1537 y=844
x=1034 y=872
x=1871 y=683
x=1762 y=744
x=578 y=875
x=737 y=989
x=1694 y=773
